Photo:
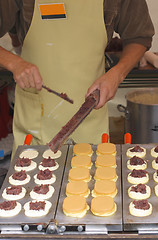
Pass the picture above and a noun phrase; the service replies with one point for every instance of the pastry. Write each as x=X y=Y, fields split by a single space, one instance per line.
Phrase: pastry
x=45 y=177
x=136 y=151
x=138 y=176
x=139 y=191
x=81 y=161
x=106 y=161
x=155 y=176
x=48 y=163
x=37 y=208
x=42 y=192
x=140 y=208
x=155 y=163
x=25 y=164
x=103 y=206
x=106 y=148
x=82 y=149
x=136 y=163
x=14 y=193
x=19 y=178
x=79 y=174
x=104 y=188
x=9 y=208
x=154 y=152
x=75 y=206
x=156 y=190
x=29 y=153
x=49 y=153
x=77 y=188
x=105 y=173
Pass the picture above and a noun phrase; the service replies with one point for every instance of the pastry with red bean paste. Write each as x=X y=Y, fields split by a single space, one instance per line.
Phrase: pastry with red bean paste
x=25 y=164
x=45 y=177
x=139 y=191
x=155 y=176
x=9 y=208
x=140 y=208
x=154 y=152
x=37 y=208
x=48 y=163
x=136 y=151
x=155 y=163
x=138 y=176
x=14 y=193
x=19 y=178
x=42 y=192
x=136 y=163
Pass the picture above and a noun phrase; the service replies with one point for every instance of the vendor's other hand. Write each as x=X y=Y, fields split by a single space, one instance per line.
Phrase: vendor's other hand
x=107 y=84
x=27 y=75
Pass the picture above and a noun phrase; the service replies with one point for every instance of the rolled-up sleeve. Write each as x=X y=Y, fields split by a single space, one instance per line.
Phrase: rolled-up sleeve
x=133 y=23
x=8 y=14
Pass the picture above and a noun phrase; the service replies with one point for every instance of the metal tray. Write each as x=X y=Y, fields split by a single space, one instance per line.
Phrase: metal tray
x=21 y=220
x=90 y=223
x=132 y=223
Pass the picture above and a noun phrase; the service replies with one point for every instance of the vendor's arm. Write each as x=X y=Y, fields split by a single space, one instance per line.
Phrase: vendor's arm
x=25 y=74
x=109 y=82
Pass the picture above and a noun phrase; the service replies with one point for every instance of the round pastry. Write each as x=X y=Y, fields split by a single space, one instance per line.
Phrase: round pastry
x=140 y=191
x=77 y=188
x=105 y=173
x=138 y=176
x=79 y=174
x=14 y=193
x=104 y=188
x=155 y=163
x=154 y=152
x=37 y=208
x=81 y=161
x=75 y=206
x=106 y=148
x=42 y=192
x=29 y=153
x=155 y=176
x=106 y=161
x=140 y=208
x=19 y=178
x=156 y=190
x=136 y=151
x=9 y=208
x=82 y=149
x=49 y=153
x=45 y=177
x=25 y=164
x=48 y=163
x=136 y=163
x=103 y=206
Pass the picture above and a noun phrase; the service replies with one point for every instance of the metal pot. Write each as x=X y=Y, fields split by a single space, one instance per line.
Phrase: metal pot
x=141 y=115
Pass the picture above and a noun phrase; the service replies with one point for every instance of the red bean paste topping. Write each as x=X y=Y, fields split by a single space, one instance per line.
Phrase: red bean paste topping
x=141 y=204
x=43 y=175
x=8 y=205
x=136 y=161
x=48 y=162
x=41 y=189
x=23 y=162
x=38 y=205
x=156 y=149
x=14 y=190
x=156 y=160
x=157 y=172
x=20 y=175
x=138 y=173
x=141 y=188
x=137 y=149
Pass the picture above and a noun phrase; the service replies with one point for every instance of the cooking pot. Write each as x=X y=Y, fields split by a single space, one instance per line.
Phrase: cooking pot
x=141 y=115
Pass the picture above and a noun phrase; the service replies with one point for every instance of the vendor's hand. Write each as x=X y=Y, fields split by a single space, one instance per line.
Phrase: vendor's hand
x=27 y=75
x=107 y=84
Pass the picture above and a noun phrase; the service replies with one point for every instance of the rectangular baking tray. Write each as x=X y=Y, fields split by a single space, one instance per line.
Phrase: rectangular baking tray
x=21 y=219
x=132 y=223
x=91 y=222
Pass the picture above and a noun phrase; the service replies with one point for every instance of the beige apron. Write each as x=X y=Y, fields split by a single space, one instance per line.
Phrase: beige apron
x=70 y=56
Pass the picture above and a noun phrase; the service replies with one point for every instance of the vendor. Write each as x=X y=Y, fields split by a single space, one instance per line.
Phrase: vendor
x=63 y=47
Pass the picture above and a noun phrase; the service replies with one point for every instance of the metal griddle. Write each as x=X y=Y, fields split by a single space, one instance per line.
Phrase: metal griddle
x=21 y=221
x=132 y=223
x=90 y=223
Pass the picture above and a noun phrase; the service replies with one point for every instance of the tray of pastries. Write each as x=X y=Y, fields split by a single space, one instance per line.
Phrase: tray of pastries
x=30 y=191
x=91 y=189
